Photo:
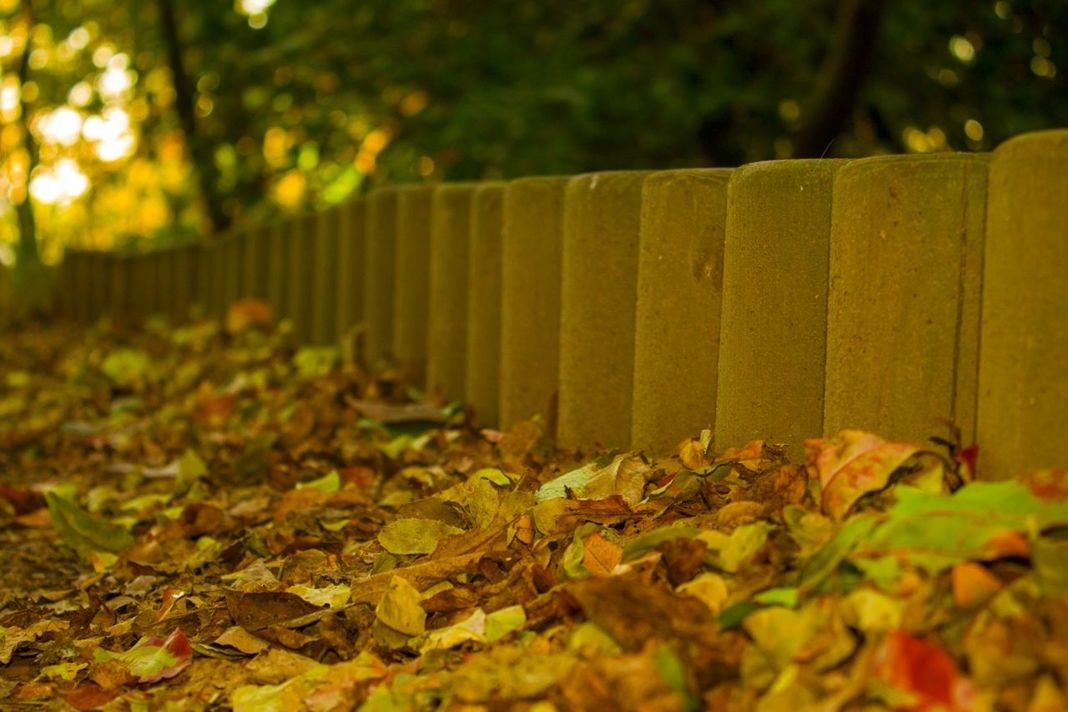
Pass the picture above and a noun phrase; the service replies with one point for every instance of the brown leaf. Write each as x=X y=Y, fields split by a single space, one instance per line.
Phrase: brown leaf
x=249 y=313
x=600 y=556
x=255 y=611
x=390 y=413
x=684 y=557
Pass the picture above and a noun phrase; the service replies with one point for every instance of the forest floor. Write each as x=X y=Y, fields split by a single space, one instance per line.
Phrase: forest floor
x=205 y=517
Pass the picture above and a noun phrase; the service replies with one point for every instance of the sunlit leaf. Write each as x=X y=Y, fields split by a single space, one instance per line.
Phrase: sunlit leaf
x=152 y=658
x=400 y=609
x=414 y=536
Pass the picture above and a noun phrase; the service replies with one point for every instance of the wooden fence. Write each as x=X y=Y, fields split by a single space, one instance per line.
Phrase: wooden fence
x=7 y=289
x=778 y=300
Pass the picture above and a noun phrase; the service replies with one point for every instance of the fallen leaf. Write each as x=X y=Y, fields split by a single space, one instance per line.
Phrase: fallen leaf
x=83 y=532
x=414 y=536
x=400 y=608
x=152 y=658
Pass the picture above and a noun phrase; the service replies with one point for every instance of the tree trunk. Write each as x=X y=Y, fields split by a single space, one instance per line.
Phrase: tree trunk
x=200 y=152
x=32 y=287
x=841 y=77
x=28 y=253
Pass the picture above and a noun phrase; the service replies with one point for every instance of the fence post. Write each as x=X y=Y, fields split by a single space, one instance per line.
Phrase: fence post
x=350 y=266
x=254 y=263
x=213 y=257
x=323 y=287
x=7 y=290
x=449 y=245
x=903 y=307
x=151 y=283
x=82 y=277
x=484 y=303
x=183 y=289
x=379 y=275
x=1023 y=373
x=411 y=293
x=677 y=329
x=277 y=273
x=773 y=332
x=166 y=268
x=531 y=247
x=602 y=218
x=116 y=288
x=301 y=270
x=65 y=285
x=230 y=246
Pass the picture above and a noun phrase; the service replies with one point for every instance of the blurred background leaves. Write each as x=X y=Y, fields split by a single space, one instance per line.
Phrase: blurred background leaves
x=150 y=132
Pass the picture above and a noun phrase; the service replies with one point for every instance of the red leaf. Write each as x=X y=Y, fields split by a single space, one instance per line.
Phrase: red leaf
x=925 y=671
x=89 y=697
x=852 y=464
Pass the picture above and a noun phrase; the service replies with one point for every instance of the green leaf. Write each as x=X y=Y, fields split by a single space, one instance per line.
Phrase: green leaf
x=83 y=532
x=882 y=571
x=126 y=368
x=153 y=658
x=785 y=596
x=936 y=531
x=673 y=673
x=504 y=621
x=1049 y=557
x=315 y=361
x=732 y=616
x=190 y=469
x=654 y=538
x=742 y=545
x=328 y=483
x=827 y=560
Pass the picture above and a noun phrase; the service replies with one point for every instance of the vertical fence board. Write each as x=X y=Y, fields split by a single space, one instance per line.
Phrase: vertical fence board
x=300 y=267
x=254 y=264
x=233 y=268
x=602 y=217
x=1023 y=386
x=150 y=285
x=350 y=266
x=411 y=294
x=773 y=333
x=484 y=303
x=379 y=274
x=216 y=274
x=82 y=286
x=7 y=290
x=167 y=281
x=64 y=291
x=121 y=293
x=677 y=329
x=903 y=306
x=98 y=284
x=450 y=232
x=325 y=226
x=531 y=249
x=183 y=287
x=276 y=268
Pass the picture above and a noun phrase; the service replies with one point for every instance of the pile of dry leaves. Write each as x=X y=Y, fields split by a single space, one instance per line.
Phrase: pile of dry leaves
x=204 y=518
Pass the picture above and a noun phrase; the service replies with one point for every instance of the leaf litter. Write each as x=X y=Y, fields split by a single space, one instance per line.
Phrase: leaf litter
x=202 y=518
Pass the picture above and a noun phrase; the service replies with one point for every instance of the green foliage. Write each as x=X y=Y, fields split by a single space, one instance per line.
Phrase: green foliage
x=302 y=104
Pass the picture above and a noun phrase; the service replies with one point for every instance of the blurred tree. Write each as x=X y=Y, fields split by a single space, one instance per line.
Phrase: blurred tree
x=162 y=121
x=30 y=279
